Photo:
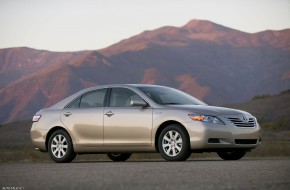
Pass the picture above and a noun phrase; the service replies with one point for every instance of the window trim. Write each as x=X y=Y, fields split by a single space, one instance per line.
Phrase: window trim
x=108 y=97
x=106 y=103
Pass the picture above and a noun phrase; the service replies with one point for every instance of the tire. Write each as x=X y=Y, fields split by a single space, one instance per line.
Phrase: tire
x=232 y=155
x=174 y=143
x=60 y=147
x=119 y=157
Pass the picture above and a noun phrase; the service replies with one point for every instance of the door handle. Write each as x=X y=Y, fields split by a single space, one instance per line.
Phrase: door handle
x=67 y=114
x=109 y=114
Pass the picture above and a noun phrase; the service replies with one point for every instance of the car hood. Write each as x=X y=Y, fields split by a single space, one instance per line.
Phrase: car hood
x=209 y=110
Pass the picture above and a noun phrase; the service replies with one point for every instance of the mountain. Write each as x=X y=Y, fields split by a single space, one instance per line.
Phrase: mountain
x=215 y=63
x=200 y=31
x=16 y=63
x=48 y=83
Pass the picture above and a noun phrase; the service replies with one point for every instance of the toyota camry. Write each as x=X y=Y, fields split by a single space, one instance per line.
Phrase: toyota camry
x=119 y=120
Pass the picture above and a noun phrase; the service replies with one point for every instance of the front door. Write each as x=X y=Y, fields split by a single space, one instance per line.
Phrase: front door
x=126 y=125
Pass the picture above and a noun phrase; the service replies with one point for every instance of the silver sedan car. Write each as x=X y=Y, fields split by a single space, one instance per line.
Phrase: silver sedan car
x=119 y=120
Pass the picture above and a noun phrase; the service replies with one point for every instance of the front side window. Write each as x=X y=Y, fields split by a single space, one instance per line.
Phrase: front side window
x=92 y=99
x=169 y=96
x=121 y=97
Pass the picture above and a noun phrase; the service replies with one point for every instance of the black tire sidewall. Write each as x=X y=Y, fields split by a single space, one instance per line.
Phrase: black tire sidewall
x=232 y=155
x=185 y=151
x=121 y=157
x=70 y=154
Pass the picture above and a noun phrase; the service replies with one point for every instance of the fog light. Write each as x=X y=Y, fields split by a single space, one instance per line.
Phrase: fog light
x=213 y=140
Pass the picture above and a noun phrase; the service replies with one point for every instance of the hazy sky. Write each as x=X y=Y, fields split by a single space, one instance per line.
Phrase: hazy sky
x=71 y=25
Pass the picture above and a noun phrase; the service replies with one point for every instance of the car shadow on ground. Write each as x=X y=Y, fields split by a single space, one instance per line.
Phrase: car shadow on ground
x=164 y=161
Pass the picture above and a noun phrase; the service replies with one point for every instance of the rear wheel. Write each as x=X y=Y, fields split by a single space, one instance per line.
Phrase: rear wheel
x=119 y=157
x=232 y=155
x=173 y=143
x=60 y=147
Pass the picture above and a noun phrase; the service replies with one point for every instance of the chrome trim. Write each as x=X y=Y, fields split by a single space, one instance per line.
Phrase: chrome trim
x=249 y=122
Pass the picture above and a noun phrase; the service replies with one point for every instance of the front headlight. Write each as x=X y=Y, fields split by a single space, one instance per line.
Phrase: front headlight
x=206 y=118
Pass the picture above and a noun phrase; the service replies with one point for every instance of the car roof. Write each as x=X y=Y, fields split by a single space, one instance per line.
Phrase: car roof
x=128 y=85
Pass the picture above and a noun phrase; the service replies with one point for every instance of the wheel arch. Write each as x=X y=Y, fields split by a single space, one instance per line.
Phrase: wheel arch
x=163 y=126
x=51 y=131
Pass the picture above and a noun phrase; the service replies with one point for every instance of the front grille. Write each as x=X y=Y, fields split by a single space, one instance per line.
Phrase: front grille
x=240 y=123
x=246 y=141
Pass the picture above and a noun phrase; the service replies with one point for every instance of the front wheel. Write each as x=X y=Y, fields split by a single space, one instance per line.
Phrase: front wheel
x=60 y=147
x=173 y=143
x=119 y=157
x=232 y=155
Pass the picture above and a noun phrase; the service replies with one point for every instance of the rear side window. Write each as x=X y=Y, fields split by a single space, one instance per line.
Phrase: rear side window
x=92 y=99
x=75 y=103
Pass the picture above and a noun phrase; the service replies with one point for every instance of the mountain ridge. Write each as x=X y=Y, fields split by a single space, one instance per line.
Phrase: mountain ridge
x=200 y=30
x=212 y=62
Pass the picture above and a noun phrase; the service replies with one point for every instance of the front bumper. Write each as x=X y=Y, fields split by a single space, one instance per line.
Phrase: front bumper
x=206 y=136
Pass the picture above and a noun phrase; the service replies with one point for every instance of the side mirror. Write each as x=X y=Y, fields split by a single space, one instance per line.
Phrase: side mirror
x=139 y=102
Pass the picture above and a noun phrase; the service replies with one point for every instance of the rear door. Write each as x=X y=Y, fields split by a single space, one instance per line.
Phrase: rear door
x=126 y=125
x=84 y=118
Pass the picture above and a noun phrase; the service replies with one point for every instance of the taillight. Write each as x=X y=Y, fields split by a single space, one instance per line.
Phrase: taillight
x=36 y=118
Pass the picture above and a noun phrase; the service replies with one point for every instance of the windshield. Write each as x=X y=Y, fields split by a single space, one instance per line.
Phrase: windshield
x=169 y=96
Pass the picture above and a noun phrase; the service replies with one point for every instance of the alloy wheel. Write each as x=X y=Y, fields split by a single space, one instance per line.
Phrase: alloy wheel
x=59 y=146
x=172 y=143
